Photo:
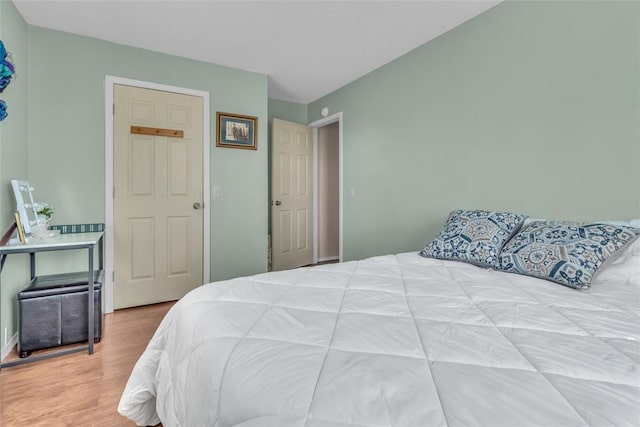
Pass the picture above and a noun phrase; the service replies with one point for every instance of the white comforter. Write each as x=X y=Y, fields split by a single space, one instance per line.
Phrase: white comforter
x=394 y=341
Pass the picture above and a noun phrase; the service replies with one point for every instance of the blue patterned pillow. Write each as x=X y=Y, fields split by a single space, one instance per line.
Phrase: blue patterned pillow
x=474 y=236
x=567 y=253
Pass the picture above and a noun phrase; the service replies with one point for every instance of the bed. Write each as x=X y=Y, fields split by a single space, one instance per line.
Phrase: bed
x=398 y=340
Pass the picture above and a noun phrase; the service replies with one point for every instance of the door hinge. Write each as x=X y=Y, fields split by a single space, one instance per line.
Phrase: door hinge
x=113 y=109
x=114 y=193
x=113 y=276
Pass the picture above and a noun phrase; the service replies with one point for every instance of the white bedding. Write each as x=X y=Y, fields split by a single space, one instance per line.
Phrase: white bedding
x=395 y=341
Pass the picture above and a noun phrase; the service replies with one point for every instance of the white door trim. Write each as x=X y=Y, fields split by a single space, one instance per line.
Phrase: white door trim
x=109 y=82
x=337 y=117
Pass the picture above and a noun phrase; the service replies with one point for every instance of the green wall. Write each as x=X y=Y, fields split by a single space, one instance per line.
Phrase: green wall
x=531 y=107
x=13 y=158
x=285 y=110
x=66 y=137
x=66 y=105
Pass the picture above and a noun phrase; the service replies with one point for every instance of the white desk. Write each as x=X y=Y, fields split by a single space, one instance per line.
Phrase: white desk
x=61 y=242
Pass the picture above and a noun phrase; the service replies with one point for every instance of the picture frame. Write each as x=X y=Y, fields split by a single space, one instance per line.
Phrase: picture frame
x=22 y=236
x=237 y=131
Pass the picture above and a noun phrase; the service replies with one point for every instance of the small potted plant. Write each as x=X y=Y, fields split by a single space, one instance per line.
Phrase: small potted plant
x=40 y=231
x=44 y=212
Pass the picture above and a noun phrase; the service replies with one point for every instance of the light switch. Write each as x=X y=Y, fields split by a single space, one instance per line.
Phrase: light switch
x=215 y=192
x=352 y=191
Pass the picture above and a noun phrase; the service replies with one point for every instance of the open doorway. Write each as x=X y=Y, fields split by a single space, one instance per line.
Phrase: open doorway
x=328 y=188
x=328 y=193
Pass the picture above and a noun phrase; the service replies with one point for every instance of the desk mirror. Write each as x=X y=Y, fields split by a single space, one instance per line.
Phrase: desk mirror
x=25 y=205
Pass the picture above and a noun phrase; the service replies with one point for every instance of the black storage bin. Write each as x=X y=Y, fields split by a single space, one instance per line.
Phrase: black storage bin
x=52 y=311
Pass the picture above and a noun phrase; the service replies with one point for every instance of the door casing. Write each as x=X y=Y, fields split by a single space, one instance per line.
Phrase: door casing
x=110 y=81
x=334 y=118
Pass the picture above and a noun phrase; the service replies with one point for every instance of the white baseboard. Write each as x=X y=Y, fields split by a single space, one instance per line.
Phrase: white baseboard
x=328 y=258
x=7 y=348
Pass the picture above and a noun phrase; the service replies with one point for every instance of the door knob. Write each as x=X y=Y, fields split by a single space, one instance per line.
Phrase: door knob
x=278 y=202
x=197 y=205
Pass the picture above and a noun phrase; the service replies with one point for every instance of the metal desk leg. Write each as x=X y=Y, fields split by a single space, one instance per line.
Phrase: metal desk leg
x=101 y=253
x=32 y=258
x=91 y=301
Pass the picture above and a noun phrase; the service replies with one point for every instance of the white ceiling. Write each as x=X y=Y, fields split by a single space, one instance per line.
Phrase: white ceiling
x=307 y=48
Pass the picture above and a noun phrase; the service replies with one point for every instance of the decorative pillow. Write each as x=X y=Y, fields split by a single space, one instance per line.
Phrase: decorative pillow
x=474 y=236
x=569 y=254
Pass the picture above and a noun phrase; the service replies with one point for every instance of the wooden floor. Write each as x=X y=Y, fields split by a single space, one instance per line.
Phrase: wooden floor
x=78 y=389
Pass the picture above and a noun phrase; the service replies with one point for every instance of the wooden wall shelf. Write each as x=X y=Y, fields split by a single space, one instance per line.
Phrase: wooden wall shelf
x=172 y=133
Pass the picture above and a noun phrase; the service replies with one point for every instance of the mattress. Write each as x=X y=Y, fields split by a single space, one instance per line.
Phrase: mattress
x=396 y=340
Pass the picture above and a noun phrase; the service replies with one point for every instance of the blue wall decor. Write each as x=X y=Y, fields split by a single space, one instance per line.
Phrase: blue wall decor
x=7 y=72
x=3 y=110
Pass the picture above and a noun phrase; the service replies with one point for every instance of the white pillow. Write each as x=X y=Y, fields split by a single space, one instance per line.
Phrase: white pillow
x=626 y=267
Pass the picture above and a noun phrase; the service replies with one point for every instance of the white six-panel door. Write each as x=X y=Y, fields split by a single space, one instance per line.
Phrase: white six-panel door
x=292 y=198
x=158 y=220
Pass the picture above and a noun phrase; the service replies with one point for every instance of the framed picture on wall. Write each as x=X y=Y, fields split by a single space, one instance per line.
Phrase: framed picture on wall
x=237 y=131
